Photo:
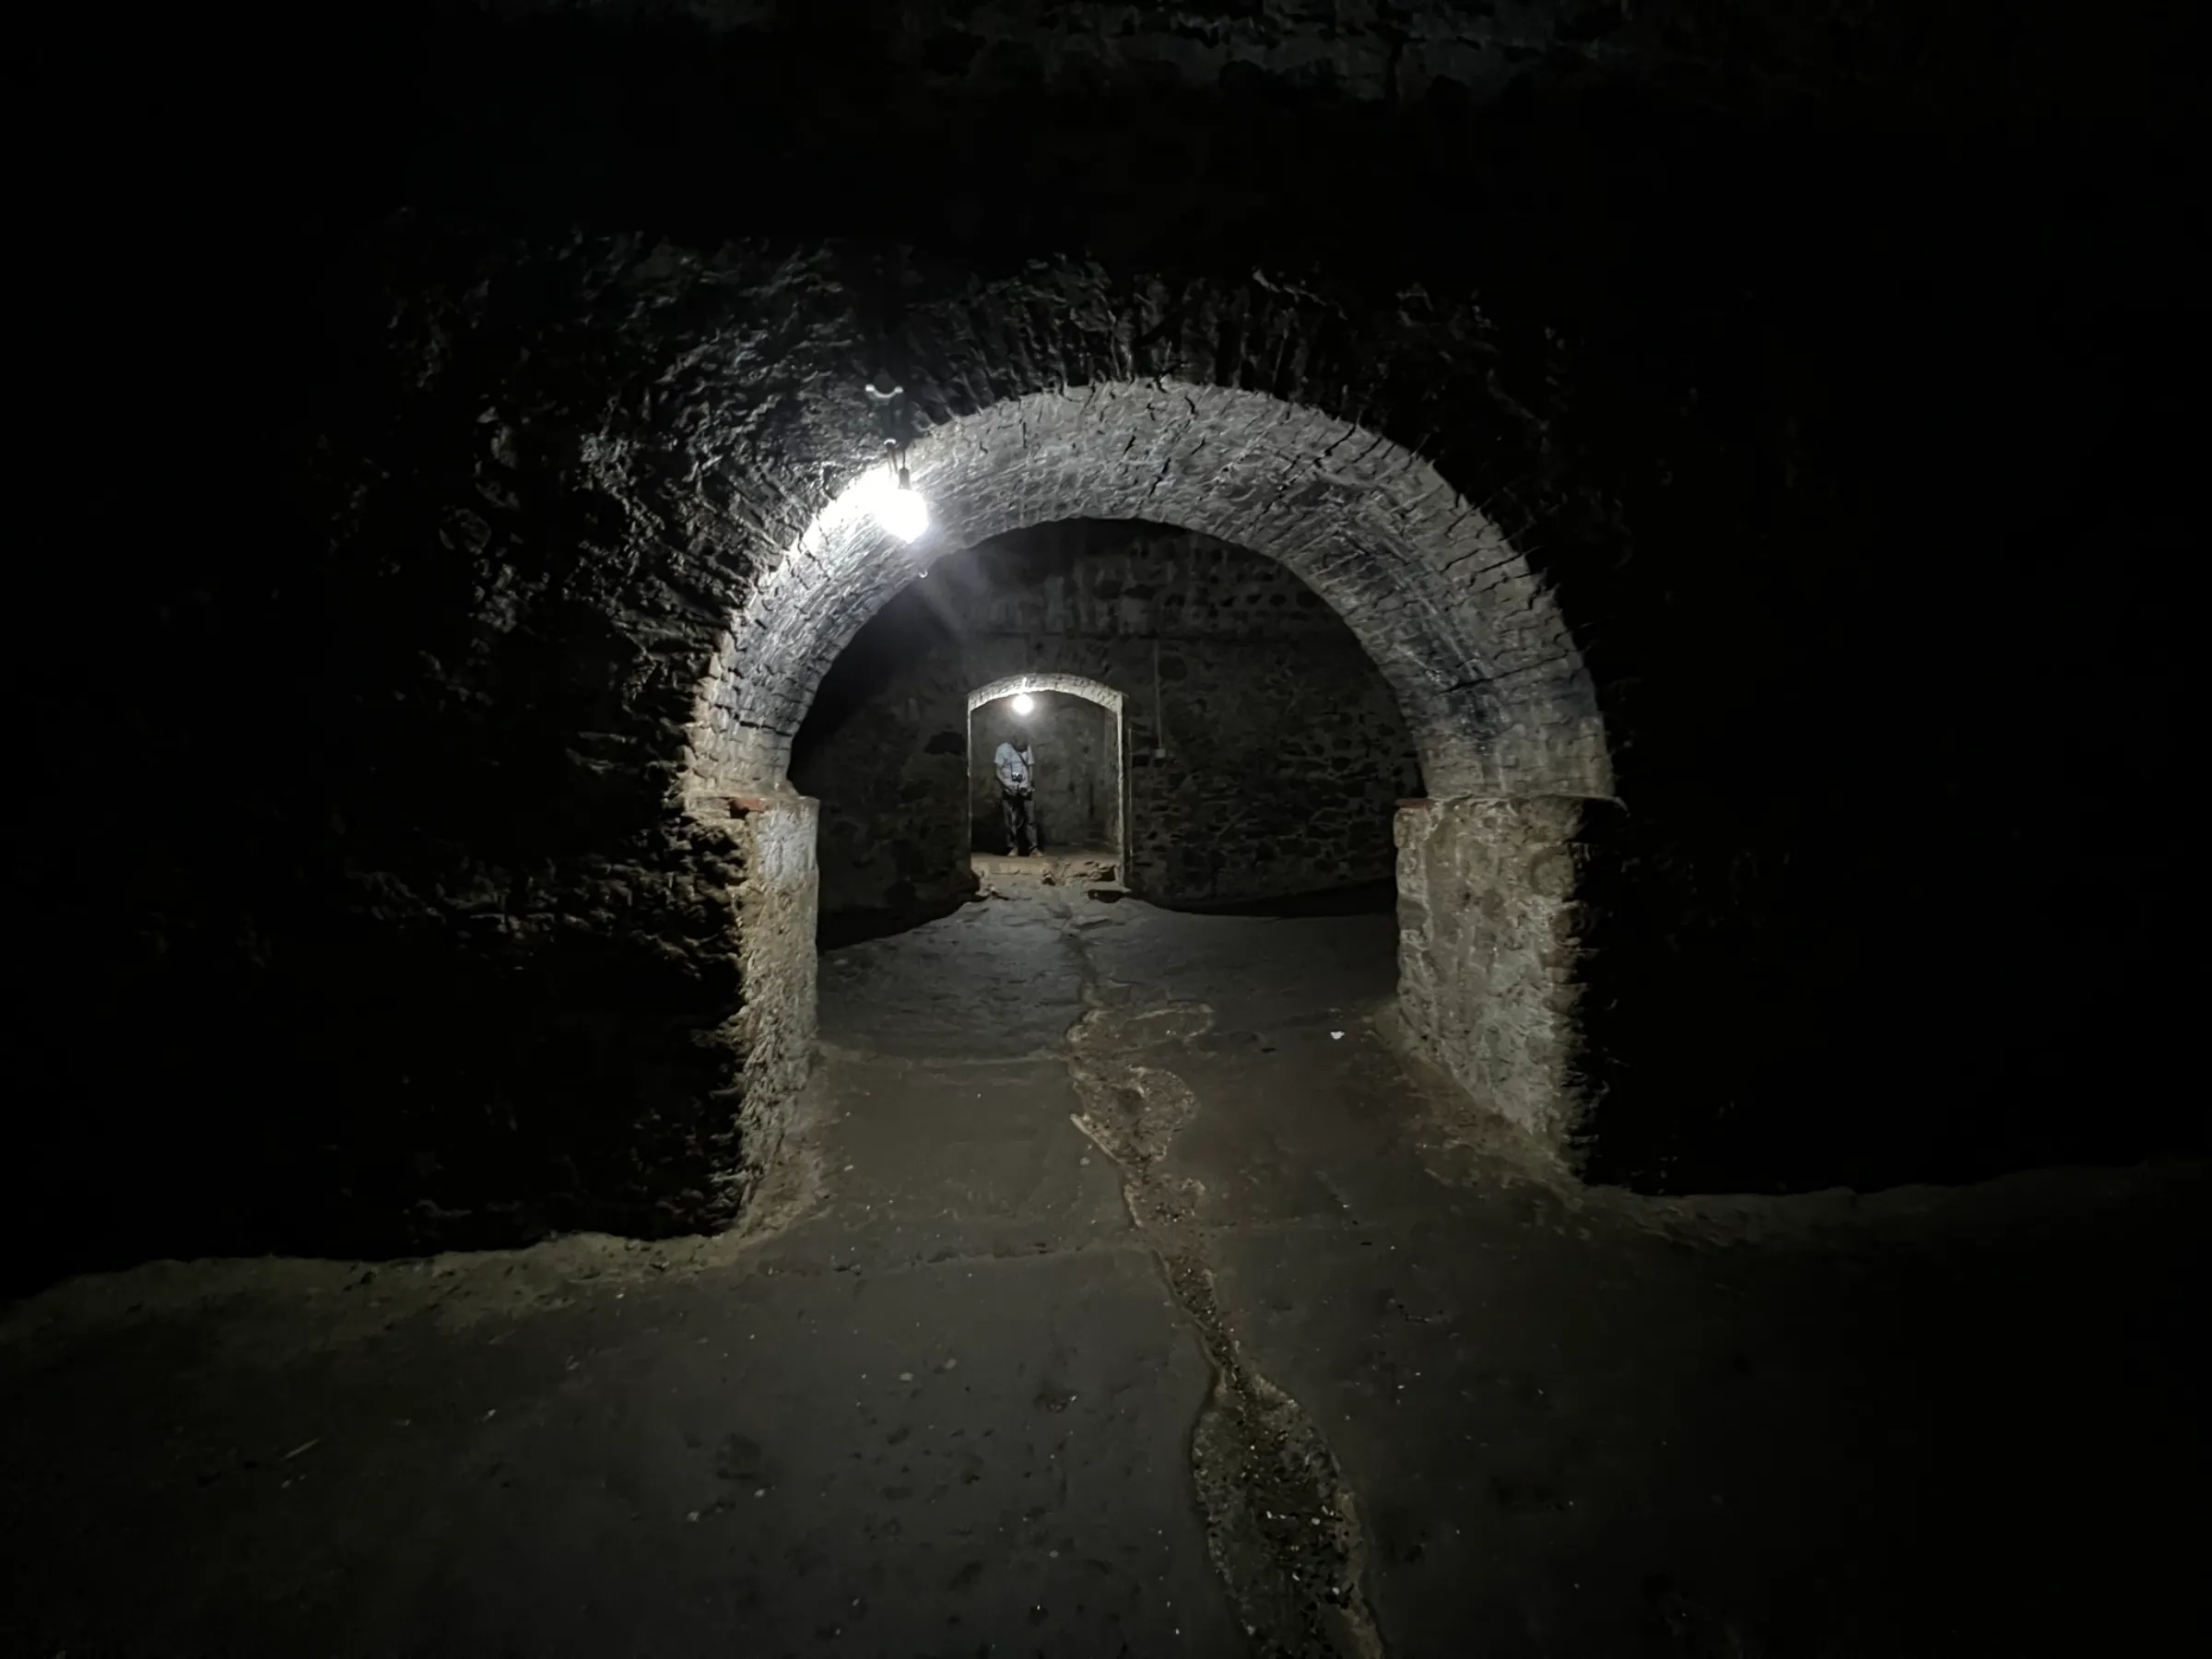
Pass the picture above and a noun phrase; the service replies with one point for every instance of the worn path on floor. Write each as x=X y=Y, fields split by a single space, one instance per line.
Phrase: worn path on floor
x=1140 y=1305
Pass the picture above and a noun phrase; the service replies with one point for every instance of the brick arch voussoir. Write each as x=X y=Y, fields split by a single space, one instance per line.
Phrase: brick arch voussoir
x=1485 y=669
x=1073 y=685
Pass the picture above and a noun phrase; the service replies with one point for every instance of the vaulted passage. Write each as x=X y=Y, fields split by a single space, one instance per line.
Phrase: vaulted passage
x=1204 y=722
x=1275 y=829
x=1470 y=642
x=1471 y=648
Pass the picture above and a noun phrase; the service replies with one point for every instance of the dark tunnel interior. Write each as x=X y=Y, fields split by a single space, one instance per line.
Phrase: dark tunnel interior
x=1598 y=591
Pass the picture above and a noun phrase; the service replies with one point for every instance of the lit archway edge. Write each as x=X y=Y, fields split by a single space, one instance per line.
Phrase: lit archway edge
x=1493 y=690
x=1491 y=686
x=1075 y=685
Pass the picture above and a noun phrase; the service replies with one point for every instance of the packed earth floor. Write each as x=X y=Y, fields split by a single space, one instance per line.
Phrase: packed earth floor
x=1126 y=1295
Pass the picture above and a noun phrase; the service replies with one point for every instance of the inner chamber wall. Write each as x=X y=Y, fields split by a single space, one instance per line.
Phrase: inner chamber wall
x=1265 y=753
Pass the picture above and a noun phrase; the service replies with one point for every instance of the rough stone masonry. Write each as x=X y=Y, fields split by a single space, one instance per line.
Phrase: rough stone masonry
x=1265 y=753
x=1834 y=541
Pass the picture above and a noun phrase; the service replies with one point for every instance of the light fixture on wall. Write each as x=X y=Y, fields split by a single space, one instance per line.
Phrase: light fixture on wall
x=897 y=505
x=1024 y=702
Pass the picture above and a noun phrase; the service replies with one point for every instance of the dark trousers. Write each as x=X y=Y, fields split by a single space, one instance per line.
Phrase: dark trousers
x=1021 y=822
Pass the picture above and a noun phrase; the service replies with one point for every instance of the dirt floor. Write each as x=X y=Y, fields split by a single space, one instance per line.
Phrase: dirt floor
x=1125 y=1298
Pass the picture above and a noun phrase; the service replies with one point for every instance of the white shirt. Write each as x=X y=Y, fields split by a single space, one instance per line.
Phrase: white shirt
x=1013 y=766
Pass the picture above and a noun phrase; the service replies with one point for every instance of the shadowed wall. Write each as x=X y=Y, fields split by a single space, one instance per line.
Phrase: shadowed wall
x=1833 y=407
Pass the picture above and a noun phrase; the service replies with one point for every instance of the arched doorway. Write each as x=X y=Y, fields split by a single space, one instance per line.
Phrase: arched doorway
x=1473 y=648
x=1470 y=640
x=1081 y=810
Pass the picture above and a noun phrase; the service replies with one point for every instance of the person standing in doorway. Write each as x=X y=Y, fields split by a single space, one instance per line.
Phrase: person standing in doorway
x=1017 y=777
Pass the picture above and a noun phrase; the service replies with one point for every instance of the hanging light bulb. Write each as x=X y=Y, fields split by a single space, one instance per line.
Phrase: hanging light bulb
x=898 y=505
x=902 y=511
x=1024 y=703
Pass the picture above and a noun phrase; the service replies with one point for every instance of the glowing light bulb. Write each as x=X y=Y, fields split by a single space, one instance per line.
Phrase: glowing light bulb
x=899 y=508
x=1024 y=703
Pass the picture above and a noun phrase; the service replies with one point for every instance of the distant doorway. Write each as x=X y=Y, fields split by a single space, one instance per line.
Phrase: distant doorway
x=1072 y=729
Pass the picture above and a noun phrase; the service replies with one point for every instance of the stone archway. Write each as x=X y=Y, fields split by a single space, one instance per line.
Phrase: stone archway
x=1472 y=645
x=1075 y=685
x=1491 y=683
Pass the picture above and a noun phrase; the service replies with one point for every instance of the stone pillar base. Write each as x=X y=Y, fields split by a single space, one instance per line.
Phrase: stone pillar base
x=1488 y=942
x=770 y=841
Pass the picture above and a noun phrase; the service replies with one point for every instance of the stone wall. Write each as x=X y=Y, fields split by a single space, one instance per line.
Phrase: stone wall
x=1491 y=941
x=771 y=1032
x=895 y=831
x=1265 y=754
x=1889 y=56
x=1275 y=768
x=359 y=905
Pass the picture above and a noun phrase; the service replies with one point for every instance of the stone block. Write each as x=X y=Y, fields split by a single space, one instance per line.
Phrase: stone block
x=772 y=1031
x=1488 y=942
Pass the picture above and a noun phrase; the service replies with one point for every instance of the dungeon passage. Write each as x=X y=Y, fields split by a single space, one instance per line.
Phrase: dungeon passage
x=1495 y=699
x=1702 y=660
x=1599 y=587
x=1204 y=721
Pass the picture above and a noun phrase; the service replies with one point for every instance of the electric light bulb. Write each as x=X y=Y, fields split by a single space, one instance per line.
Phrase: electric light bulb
x=1024 y=703
x=902 y=511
